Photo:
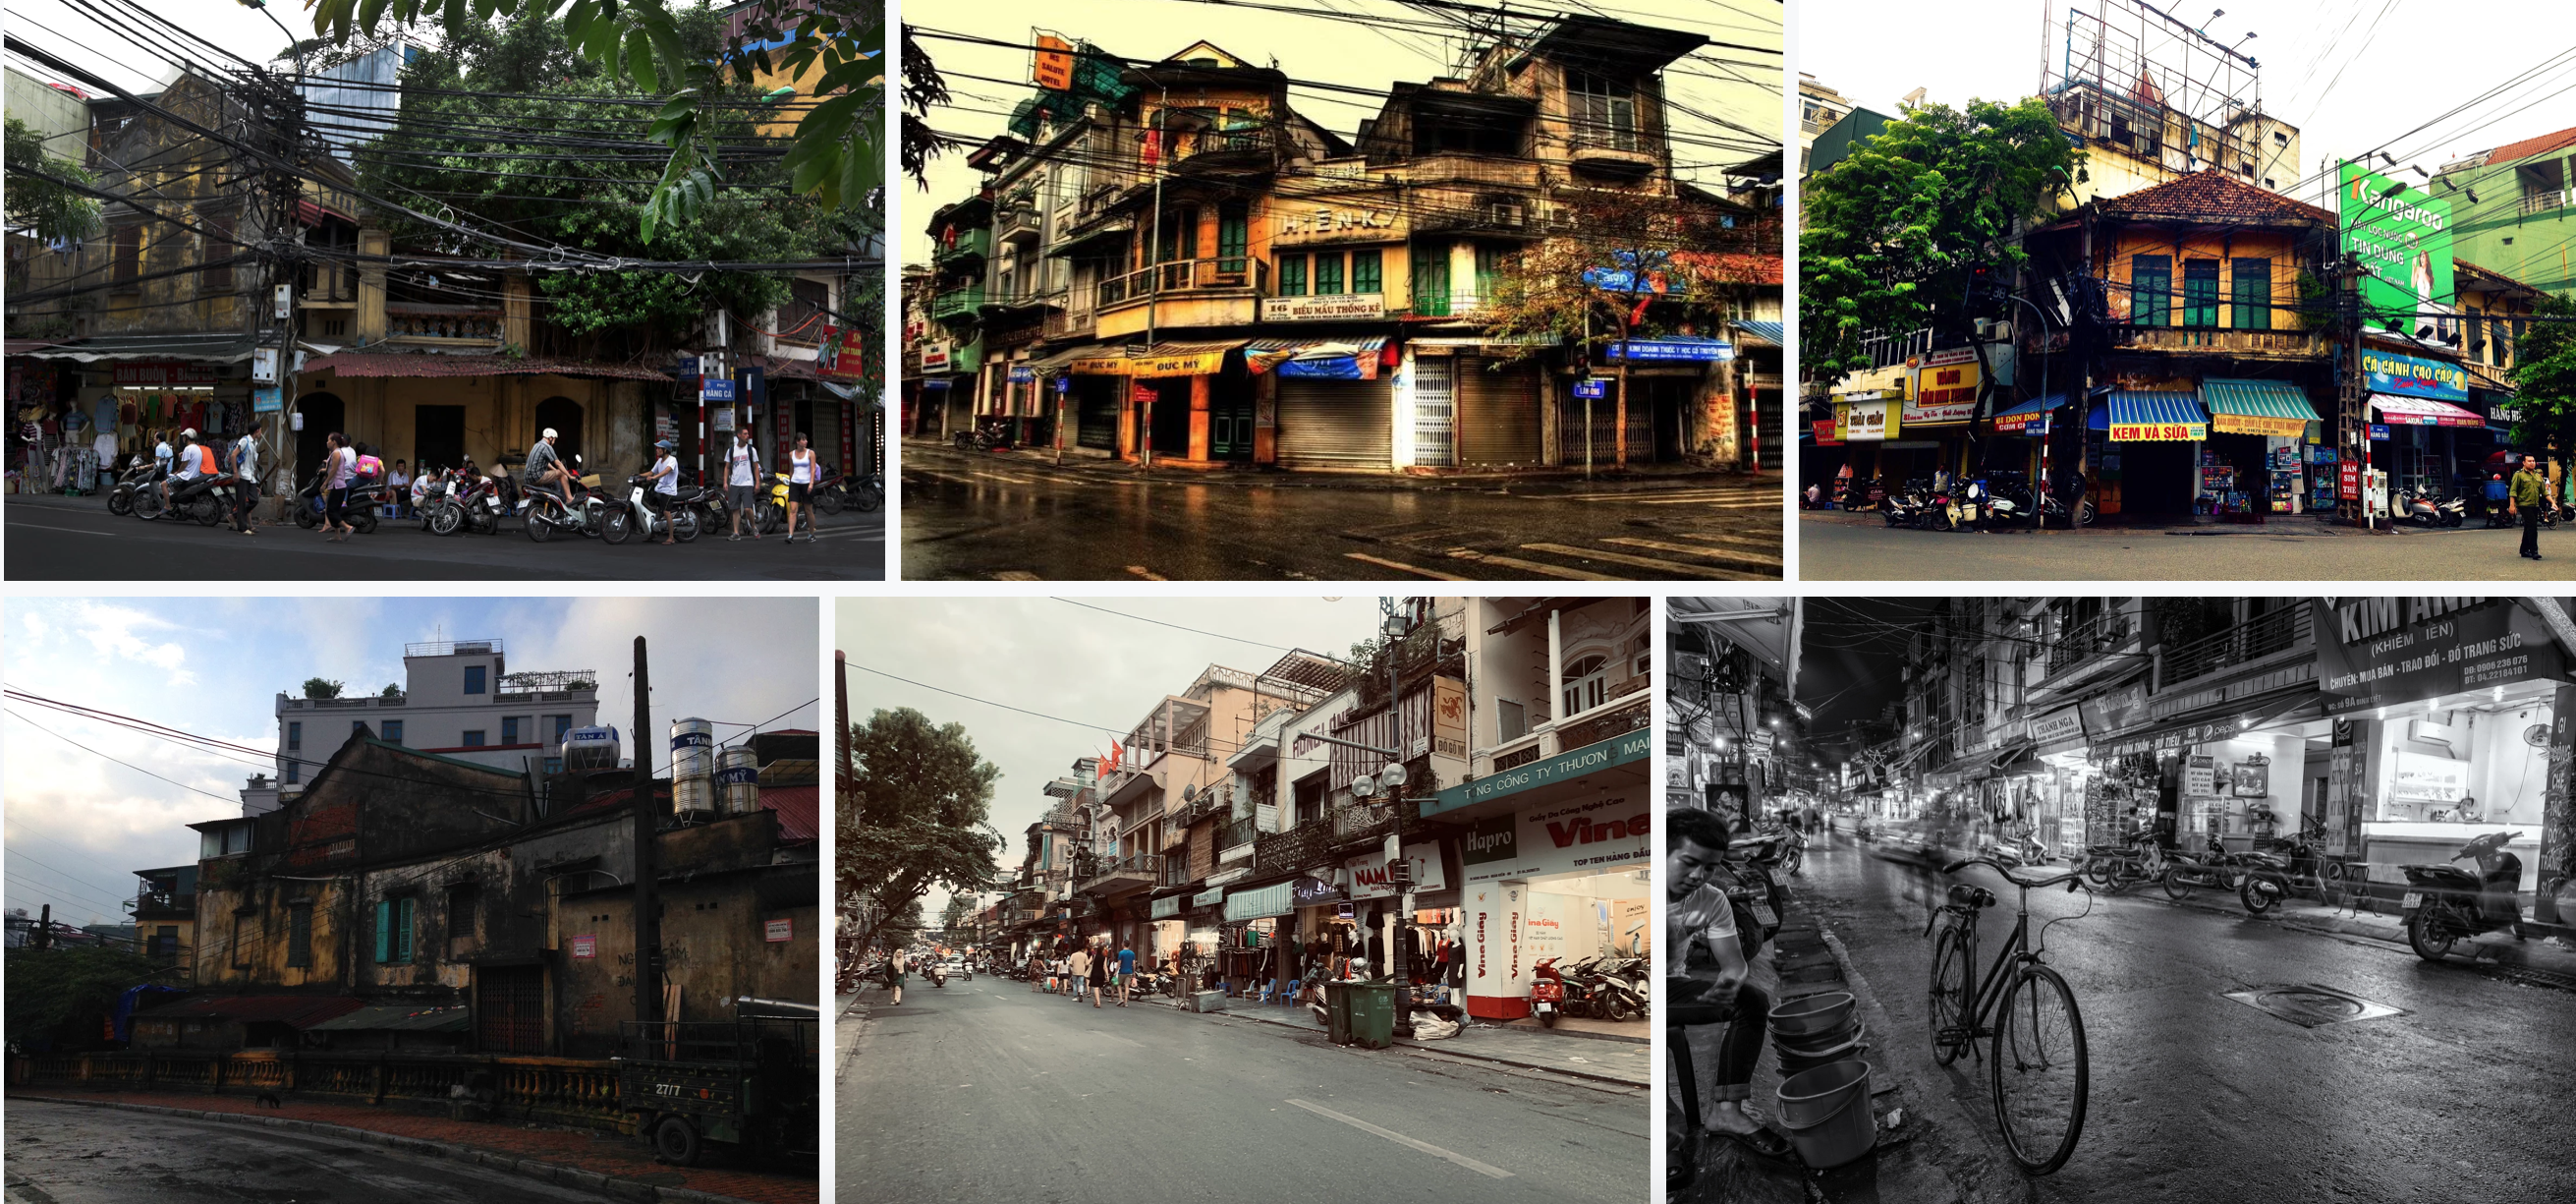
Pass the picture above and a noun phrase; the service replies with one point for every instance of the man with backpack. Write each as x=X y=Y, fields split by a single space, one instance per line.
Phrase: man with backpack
x=742 y=482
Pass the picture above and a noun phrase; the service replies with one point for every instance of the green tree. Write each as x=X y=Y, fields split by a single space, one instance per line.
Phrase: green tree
x=836 y=157
x=958 y=916
x=1888 y=234
x=915 y=814
x=319 y=687
x=390 y=691
x=63 y=995
x=41 y=206
x=2544 y=378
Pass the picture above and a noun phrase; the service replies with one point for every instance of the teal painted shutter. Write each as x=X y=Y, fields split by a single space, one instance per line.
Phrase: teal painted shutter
x=384 y=931
x=402 y=931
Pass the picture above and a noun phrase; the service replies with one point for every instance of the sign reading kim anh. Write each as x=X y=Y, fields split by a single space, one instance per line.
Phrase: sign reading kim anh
x=2387 y=651
x=1299 y=224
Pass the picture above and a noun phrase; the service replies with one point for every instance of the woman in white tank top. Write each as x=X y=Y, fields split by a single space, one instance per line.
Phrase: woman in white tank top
x=801 y=470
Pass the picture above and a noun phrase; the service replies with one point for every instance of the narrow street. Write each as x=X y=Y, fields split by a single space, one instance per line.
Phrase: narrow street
x=987 y=517
x=1862 y=547
x=984 y=1090
x=2195 y=1095
x=69 y=1154
x=54 y=538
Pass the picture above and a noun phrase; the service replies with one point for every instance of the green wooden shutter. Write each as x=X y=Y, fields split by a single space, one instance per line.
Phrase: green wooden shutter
x=402 y=930
x=384 y=931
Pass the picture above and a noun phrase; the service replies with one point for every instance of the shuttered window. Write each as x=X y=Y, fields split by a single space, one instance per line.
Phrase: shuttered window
x=2200 y=293
x=2150 y=289
x=2252 y=296
x=217 y=244
x=393 y=931
x=127 y=261
x=299 y=935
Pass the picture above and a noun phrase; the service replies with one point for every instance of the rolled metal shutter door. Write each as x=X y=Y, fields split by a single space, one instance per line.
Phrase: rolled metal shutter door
x=1497 y=412
x=1096 y=416
x=1336 y=423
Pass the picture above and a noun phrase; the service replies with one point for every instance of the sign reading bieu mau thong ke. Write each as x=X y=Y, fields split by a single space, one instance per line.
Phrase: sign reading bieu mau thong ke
x=2383 y=651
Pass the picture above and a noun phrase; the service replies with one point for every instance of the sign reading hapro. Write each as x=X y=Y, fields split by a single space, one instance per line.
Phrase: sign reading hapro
x=1595 y=836
x=2402 y=238
x=1337 y=223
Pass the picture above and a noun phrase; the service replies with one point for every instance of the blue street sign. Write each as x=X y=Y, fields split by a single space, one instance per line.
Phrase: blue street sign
x=715 y=388
x=1021 y=374
x=264 y=399
x=2379 y=431
x=688 y=365
x=1593 y=387
x=1064 y=384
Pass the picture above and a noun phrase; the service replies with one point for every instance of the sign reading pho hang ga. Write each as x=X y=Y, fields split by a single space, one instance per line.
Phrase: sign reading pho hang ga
x=2402 y=237
x=2414 y=376
x=2376 y=652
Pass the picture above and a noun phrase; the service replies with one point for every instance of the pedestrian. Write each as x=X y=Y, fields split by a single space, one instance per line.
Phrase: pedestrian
x=2530 y=500
x=1126 y=973
x=1713 y=986
x=1099 y=973
x=742 y=482
x=664 y=497
x=340 y=469
x=894 y=968
x=1077 y=971
x=246 y=487
x=802 y=471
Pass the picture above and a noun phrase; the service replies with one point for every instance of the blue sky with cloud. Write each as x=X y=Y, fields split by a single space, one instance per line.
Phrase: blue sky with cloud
x=77 y=824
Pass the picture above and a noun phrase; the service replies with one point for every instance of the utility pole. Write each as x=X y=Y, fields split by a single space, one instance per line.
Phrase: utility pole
x=1154 y=282
x=2352 y=400
x=1399 y=872
x=648 y=926
x=45 y=928
x=282 y=120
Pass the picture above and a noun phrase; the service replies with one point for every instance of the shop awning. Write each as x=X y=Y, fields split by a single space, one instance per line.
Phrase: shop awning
x=1278 y=898
x=198 y=348
x=2031 y=413
x=2153 y=416
x=1064 y=360
x=1760 y=332
x=1320 y=359
x=2184 y=733
x=1160 y=360
x=370 y=364
x=2421 y=411
x=2257 y=407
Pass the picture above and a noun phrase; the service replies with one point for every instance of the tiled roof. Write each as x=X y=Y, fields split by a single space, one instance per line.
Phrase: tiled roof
x=2212 y=197
x=377 y=363
x=799 y=810
x=2533 y=146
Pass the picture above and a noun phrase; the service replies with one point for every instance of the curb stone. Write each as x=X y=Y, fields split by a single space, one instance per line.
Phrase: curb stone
x=616 y=1185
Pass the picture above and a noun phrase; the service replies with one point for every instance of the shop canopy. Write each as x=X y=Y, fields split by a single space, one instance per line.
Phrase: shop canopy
x=1276 y=899
x=1065 y=359
x=1320 y=359
x=369 y=364
x=2028 y=414
x=224 y=348
x=2184 y=733
x=1160 y=360
x=2151 y=416
x=2421 y=411
x=2257 y=407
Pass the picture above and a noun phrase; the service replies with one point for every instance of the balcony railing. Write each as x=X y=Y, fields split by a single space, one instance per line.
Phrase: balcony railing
x=1144 y=868
x=1447 y=304
x=2101 y=633
x=957 y=303
x=2280 y=631
x=564 y=1091
x=1232 y=273
x=1213 y=149
x=2543 y=202
x=1295 y=849
x=1071 y=323
x=2282 y=343
x=1016 y=221
x=976 y=242
x=1616 y=721
x=1240 y=832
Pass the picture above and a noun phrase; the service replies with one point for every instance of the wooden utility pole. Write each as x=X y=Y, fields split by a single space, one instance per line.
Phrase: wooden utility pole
x=648 y=926
x=2352 y=400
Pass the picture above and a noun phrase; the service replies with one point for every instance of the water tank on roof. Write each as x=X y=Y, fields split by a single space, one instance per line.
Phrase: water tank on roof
x=738 y=780
x=693 y=798
x=591 y=748
x=693 y=749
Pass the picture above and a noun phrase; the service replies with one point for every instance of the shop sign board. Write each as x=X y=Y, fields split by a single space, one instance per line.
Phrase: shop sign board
x=1945 y=388
x=779 y=931
x=162 y=374
x=2402 y=237
x=1022 y=374
x=2385 y=651
x=1312 y=892
x=1563 y=767
x=2114 y=711
x=1543 y=931
x=1183 y=363
x=2414 y=376
x=1677 y=349
x=1865 y=421
x=1167 y=908
x=1331 y=307
x=267 y=399
x=935 y=356
x=2348 y=480
x=2558 y=809
x=1448 y=717
x=1368 y=871
x=2159 y=432
x=1589 y=836
x=1338 y=223
x=1053 y=65
x=1497 y=986
x=2061 y=724
x=585 y=947
x=2200 y=778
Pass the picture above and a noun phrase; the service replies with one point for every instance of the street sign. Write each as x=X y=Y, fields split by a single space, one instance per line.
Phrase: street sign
x=715 y=388
x=1064 y=384
x=2379 y=432
x=266 y=399
x=1022 y=374
x=1592 y=387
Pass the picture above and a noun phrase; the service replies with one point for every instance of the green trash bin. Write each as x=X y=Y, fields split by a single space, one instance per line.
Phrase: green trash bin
x=1372 y=1014
x=1337 y=1012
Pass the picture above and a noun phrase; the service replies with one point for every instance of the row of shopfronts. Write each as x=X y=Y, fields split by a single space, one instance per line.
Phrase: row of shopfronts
x=1544 y=860
x=2163 y=448
x=2414 y=725
x=1364 y=401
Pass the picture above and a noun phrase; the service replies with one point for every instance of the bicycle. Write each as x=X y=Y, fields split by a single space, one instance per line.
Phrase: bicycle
x=2037 y=1046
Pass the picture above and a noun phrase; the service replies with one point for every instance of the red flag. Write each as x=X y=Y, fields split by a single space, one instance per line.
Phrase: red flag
x=1153 y=147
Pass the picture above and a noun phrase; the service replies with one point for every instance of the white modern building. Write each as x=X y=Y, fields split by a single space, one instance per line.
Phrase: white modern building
x=459 y=699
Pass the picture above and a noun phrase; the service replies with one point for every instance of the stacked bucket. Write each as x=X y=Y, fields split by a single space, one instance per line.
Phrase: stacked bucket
x=1824 y=1093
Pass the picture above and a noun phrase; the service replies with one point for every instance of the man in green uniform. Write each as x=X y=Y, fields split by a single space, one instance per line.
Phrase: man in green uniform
x=2530 y=500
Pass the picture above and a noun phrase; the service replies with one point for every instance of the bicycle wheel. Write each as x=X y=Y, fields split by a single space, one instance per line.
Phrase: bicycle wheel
x=2039 y=1071
x=1953 y=961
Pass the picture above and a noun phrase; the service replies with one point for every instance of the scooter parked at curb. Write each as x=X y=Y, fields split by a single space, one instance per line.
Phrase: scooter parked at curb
x=2449 y=905
x=2286 y=866
x=1547 y=992
x=637 y=515
x=2184 y=872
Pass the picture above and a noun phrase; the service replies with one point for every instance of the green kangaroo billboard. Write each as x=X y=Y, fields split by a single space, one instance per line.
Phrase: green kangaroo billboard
x=2402 y=238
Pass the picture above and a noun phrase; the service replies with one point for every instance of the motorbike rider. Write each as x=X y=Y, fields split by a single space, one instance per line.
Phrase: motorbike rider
x=192 y=462
x=546 y=469
x=664 y=477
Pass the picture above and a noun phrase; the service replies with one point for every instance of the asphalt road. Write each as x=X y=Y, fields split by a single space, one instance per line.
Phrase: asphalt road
x=52 y=538
x=991 y=517
x=67 y=1154
x=984 y=1091
x=2196 y=1096
x=1837 y=547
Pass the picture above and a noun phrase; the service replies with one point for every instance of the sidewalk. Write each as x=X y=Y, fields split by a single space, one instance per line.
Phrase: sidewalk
x=607 y=1163
x=2552 y=956
x=1642 y=477
x=2299 y=525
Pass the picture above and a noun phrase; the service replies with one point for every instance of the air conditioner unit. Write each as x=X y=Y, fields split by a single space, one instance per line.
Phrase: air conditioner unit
x=2432 y=731
x=1508 y=215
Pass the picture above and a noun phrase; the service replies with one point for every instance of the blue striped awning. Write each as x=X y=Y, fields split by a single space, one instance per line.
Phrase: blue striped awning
x=1761 y=332
x=2153 y=416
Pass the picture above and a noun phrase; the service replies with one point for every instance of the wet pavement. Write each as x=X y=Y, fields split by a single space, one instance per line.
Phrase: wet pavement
x=1837 y=546
x=2458 y=1095
x=56 y=538
x=985 y=1090
x=986 y=517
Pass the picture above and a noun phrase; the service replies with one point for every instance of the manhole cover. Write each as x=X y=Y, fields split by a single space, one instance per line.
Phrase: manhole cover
x=2309 y=1005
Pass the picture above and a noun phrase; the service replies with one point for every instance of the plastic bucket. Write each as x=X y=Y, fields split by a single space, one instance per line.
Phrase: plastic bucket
x=1791 y=1065
x=1811 y=1044
x=1811 y=1096
x=1844 y=1131
x=1813 y=1016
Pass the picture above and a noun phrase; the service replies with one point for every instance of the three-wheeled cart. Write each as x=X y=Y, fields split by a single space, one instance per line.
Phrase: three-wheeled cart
x=751 y=1084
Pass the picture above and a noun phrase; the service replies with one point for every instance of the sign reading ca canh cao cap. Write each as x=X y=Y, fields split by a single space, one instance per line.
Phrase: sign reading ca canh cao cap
x=2414 y=376
x=2376 y=652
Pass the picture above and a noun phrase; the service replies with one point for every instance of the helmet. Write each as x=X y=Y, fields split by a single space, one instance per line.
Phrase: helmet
x=664 y=445
x=547 y=433
x=189 y=433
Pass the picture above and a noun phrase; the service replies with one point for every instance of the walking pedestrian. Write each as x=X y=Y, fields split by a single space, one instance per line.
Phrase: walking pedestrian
x=742 y=480
x=1099 y=974
x=1077 y=971
x=341 y=468
x=802 y=471
x=246 y=487
x=894 y=968
x=2530 y=500
x=1126 y=973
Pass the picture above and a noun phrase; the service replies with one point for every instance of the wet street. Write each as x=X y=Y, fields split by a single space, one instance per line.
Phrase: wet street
x=1862 y=547
x=986 y=517
x=70 y=1154
x=983 y=1090
x=53 y=538
x=2196 y=1096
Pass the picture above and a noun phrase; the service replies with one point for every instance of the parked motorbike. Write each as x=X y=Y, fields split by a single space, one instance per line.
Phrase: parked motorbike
x=1547 y=992
x=1614 y=988
x=2281 y=867
x=2184 y=872
x=2427 y=509
x=836 y=491
x=637 y=516
x=2112 y=869
x=469 y=506
x=2449 y=905
x=143 y=476
x=1756 y=890
x=992 y=435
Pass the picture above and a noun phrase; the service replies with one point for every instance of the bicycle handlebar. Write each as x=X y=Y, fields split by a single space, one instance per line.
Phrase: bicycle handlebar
x=2069 y=878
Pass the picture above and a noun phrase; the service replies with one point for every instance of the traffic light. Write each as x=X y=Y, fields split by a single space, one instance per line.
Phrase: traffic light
x=1981 y=286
